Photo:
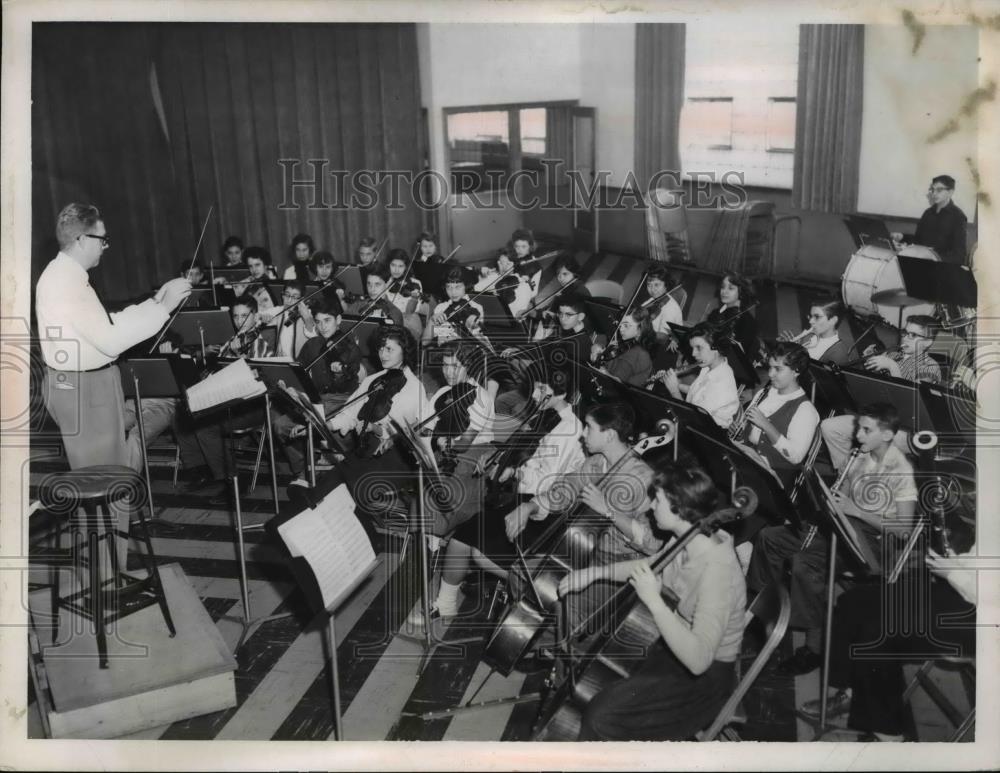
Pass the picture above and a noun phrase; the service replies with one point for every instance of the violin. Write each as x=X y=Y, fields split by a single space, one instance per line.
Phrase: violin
x=616 y=651
x=523 y=442
x=453 y=409
x=381 y=392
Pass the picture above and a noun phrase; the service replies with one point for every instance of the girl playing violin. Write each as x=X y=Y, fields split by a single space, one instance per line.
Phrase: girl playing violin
x=300 y=251
x=429 y=249
x=461 y=433
x=406 y=296
x=735 y=295
x=441 y=325
x=630 y=362
x=690 y=672
x=664 y=310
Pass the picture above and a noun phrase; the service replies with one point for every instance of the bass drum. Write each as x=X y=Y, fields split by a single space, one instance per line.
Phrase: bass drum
x=874 y=270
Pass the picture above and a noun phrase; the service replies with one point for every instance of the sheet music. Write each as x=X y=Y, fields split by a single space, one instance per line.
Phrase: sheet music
x=234 y=382
x=333 y=542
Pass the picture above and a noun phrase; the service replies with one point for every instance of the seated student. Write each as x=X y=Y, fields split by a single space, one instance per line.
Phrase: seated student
x=232 y=252
x=441 y=327
x=781 y=426
x=522 y=250
x=461 y=435
x=428 y=244
x=869 y=689
x=661 y=305
x=393 y=394
x=293 y=319
x=194 y=273
x=691 y=670
x=262 y=293
x=911 y=362
x=516 y=286
x=631 y=364
x=406 y=296
x=714 y=388
x=820 y=339
x=247 y=342
x=501 y=379
x=376 y=287
x=258 y=262
x=558 y=452
x=336 y=372
x=736 y=299
x=300 y=250
x=366 y=254
x=880 y=467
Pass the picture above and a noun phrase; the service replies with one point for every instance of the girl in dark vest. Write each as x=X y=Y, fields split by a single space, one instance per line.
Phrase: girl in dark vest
x=780 y=420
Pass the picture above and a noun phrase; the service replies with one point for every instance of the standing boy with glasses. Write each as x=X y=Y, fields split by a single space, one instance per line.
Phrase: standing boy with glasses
x=942 y=226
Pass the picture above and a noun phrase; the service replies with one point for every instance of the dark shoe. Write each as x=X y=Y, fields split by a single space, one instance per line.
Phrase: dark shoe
x=835 y=706
x=802 y=662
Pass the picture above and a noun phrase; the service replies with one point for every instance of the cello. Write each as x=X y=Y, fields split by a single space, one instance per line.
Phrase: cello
x=577 y=538
x=613 y=654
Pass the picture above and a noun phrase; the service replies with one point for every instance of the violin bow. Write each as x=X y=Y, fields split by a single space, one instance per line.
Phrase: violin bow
x=181 y=305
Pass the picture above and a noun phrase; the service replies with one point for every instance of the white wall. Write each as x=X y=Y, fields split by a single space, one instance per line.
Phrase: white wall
x=907 y=99
x=609 y=85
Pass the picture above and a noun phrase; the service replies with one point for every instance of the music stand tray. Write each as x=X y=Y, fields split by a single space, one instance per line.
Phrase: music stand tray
x=165 y=375
x=364 y=334
x=869 y=230
x=866 y=388
x=292 y=373
x=215 y=324
x=938 y=282
x=496 y=313
x=350 y=277
x=832 y=394
x=603 y=316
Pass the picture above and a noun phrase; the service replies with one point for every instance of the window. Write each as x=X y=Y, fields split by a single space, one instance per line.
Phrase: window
x=738 y=114
x=486 y=144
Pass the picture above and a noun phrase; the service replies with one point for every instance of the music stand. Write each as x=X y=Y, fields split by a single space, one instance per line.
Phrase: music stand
x=839 y=526
x=202 y=298
x=160 y=376
x=869 y=230
x=496 y=313
x=432 y=276
x=231 y=273
x=651 y=408
x=938 y=282
x=603 y=315
x=951 y=414
x=425 y=464
x=721 y=459
x=350 y=277
x=831 y=395
x=866 y=388
x=204 y=327
x=364 y=334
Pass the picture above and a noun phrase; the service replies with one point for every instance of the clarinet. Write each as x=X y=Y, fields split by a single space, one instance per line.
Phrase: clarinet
x=737 y=427
x=833 y=490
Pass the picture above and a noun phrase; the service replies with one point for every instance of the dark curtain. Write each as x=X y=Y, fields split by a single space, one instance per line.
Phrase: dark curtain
x=241 y=97
x=659 y=97
x=828 y=119
x=236 y=99
x=96 y=139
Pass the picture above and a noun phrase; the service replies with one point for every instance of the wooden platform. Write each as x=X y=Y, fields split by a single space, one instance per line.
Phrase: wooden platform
x=153 y=679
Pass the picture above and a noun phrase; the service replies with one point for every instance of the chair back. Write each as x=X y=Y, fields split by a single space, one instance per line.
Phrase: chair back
x=773 y=608
x=604 y=288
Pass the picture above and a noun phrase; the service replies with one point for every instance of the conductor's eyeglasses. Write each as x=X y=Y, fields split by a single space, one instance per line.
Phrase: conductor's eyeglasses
x=105 y=240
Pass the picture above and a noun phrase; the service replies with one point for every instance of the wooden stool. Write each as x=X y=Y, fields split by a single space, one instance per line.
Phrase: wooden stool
x=85 y=497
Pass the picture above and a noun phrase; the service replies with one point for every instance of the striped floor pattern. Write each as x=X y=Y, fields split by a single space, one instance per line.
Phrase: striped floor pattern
x=282 y=682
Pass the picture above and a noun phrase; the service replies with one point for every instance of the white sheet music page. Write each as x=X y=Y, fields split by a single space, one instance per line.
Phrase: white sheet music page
x=234 y=382
x=333 y=542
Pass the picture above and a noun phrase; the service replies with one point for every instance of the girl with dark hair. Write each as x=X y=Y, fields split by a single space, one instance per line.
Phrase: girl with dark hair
x=736 y=298
x=300 y=251
x=690 y=672
x=780 y=421
x=664 y=309
x=714 y=388
x=630 y=362
x=428 y=243
x=821 y=339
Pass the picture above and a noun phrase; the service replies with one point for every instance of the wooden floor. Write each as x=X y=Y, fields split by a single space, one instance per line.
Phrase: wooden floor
x=282 y=683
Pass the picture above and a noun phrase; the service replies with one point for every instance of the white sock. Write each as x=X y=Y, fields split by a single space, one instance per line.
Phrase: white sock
x=447 y=600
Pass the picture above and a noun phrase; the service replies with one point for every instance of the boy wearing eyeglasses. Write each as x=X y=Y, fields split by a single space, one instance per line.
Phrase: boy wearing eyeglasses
x=911 y=363
x=942 y=226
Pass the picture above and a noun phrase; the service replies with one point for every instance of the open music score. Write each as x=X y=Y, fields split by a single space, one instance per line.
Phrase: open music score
x=234 y=382
x=331 y=539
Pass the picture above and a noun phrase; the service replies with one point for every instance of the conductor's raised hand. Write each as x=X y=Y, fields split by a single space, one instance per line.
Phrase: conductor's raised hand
x=173 y=292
